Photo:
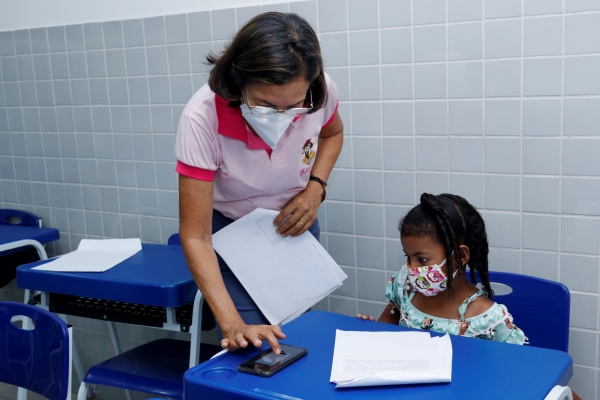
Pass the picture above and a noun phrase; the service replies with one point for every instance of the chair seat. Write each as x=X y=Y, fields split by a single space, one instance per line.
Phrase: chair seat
x=156 y=367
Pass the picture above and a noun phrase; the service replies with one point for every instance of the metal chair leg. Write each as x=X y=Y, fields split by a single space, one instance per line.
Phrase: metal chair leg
x=114 y=336
x=83 y=391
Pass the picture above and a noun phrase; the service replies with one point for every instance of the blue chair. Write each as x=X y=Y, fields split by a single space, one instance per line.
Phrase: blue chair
x=18 y=217
x=12 y=258
x=174 y=240
x=541 y=308
x=35 y=359
x=156 y=367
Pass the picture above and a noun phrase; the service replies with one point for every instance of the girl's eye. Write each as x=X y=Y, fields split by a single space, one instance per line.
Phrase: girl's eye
x=422 y=260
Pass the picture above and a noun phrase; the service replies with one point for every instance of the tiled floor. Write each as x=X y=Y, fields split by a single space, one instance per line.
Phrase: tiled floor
x=9 y=392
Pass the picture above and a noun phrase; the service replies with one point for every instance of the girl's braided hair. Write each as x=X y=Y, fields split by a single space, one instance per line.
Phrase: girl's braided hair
x=451 y=221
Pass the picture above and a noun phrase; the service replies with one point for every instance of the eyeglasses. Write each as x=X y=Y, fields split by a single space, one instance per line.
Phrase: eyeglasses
x=269 y=111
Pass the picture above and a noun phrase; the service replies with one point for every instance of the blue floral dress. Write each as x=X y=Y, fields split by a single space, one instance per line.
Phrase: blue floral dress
x=495 y=324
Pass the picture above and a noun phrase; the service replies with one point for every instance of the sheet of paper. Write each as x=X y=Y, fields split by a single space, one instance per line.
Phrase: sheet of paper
x=94 y=256
x=390 y=358
x=285 y=276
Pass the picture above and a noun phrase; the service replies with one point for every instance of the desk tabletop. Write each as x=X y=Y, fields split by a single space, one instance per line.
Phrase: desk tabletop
x=13 y=233
x=480 y=369
x=158 y=276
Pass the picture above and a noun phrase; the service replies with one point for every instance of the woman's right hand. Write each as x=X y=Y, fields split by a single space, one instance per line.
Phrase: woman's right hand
x=239 y=335
x=365 y=317
x=195 y=231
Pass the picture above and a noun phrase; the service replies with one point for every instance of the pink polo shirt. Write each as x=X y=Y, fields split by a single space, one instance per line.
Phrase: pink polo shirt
x=214 y=144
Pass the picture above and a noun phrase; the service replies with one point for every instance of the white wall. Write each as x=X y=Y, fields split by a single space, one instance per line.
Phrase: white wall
x=26 y=14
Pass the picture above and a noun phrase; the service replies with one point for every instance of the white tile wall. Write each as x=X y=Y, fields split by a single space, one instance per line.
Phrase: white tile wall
x=495 y=100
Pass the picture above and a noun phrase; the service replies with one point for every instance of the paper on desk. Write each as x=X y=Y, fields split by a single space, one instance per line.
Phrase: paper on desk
x=94 y=256
x=285 y=276
x=390 y=358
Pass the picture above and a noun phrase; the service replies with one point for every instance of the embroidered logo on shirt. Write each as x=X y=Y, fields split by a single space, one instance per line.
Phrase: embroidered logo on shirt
x=309 y=154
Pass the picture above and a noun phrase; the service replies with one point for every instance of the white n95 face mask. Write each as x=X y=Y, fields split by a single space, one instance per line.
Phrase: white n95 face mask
x=268 y=125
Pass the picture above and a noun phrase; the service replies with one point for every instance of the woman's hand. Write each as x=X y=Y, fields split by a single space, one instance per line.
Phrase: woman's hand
x=300 y=211
x=240 y=334
x=365 y=317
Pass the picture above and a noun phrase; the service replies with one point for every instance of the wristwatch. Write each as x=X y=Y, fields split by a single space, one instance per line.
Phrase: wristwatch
x=322 y=182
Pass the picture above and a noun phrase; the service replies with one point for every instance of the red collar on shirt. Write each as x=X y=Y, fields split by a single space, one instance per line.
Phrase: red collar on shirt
x=232 y=124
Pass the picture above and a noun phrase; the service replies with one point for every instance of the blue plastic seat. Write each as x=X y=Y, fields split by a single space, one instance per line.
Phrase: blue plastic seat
x=156 y=368
x=541 y=308
x=36 y=359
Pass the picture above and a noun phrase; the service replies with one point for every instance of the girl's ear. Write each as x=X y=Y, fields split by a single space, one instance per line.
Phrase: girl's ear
x=465 y=254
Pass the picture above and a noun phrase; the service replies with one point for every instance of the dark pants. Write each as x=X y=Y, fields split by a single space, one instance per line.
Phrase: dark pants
x=244 y=304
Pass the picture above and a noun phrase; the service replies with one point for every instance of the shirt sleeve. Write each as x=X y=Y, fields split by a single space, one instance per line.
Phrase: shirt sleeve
x=332 y=103
x=196 y=150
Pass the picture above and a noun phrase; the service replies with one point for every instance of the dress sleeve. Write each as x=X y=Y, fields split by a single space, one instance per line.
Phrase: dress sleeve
x=504 y=329
x=395 y=287
x=196 y=150
x=332 y=103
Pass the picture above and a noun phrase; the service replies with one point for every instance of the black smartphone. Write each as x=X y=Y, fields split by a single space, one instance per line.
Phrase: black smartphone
x=268 y=363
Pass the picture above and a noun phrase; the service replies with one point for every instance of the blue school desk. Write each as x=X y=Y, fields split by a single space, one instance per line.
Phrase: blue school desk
x=17 y=238
x=14 y=237
x=480 y=369
x=152 y=288
x=157 y=275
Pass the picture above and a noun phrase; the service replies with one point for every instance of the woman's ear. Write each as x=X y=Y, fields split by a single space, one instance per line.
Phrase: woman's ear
x=465 y=254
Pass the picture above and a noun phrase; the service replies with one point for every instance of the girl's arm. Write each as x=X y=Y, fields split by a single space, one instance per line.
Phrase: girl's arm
x=388 y=317
x=195 y=230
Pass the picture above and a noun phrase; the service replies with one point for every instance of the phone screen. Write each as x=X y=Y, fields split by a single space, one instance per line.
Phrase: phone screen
x=272 y=358
x=267 y=362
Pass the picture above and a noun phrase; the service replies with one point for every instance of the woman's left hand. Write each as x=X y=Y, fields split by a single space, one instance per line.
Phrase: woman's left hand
x=301 y=210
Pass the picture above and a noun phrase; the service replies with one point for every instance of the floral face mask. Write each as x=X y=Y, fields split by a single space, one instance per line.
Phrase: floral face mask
x=429 y=280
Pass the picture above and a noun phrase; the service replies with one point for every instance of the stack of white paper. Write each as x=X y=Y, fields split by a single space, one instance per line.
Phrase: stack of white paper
x=285 y=276
x=390 y=358
x=94 y=256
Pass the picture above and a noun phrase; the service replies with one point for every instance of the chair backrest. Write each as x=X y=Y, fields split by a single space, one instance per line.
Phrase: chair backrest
x=36 y=359
x=174 y=239
x=18 y=217
x=541 y=308
x=560 y=393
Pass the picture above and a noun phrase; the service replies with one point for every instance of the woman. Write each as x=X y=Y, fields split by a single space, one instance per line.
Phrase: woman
x=241 y=144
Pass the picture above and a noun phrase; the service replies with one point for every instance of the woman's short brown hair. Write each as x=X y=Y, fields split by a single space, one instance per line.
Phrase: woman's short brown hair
x=272 y=48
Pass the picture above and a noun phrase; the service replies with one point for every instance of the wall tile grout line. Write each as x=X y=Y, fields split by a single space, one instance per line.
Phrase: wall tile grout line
x=522 y=133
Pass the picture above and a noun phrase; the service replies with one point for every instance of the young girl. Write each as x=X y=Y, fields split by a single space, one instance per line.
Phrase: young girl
x=441 y=237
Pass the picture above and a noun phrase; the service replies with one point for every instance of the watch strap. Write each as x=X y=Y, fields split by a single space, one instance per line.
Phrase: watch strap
x=322 y=182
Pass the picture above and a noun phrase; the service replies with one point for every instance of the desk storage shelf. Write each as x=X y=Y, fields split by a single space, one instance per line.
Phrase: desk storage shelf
x=129 y=313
